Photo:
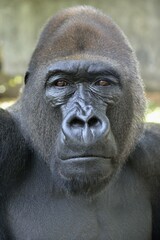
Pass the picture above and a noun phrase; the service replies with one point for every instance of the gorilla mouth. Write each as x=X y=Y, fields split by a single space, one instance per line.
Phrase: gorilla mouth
x=86 y=165
x=86 y=158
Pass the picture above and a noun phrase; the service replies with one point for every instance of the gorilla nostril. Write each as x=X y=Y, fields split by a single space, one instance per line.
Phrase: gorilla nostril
x=77 y=122
x=94 y=121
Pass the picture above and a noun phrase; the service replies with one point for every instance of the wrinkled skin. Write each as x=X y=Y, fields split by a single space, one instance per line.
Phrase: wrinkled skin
x=76 y=160
x=86 y=147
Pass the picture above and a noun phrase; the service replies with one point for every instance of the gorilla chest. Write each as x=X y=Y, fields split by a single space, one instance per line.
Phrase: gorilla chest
x=115 y=215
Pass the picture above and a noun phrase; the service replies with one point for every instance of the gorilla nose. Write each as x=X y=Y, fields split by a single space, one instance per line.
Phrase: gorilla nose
x=85 y=129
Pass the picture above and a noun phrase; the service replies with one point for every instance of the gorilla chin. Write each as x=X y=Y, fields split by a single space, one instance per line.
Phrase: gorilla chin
x=85 y=175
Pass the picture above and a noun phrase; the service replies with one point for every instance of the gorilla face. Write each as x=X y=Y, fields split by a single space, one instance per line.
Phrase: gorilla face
x=83 y=101
x=82 y=90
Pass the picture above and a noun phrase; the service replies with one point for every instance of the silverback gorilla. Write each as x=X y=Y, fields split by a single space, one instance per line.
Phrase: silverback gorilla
x=76 y=160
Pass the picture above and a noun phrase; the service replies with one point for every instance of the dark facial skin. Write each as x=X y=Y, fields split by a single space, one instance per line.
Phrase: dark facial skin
x=86 y=147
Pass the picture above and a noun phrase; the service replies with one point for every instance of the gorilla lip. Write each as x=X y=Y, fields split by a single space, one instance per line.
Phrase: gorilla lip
x=83 y=166
x=85 y=158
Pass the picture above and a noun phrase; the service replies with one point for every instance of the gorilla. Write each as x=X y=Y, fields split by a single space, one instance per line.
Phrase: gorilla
x=76 y=159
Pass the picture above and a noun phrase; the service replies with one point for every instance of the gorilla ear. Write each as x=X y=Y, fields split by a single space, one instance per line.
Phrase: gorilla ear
x=26 y=77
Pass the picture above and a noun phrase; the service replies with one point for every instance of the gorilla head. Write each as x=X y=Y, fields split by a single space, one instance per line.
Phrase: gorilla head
x=83 y=101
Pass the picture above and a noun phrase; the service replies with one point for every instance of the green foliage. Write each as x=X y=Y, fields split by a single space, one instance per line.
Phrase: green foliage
x=10 y=84
x=153 y=113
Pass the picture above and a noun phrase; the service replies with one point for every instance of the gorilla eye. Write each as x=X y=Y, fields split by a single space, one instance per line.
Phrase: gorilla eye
x=60 y=83
x=103 y=83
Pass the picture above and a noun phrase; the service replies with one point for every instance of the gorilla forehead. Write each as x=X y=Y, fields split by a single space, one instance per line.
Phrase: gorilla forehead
x=84 y=66
x=81 y=64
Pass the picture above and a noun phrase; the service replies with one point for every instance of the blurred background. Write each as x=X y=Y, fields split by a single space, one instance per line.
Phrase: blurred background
x=22 y=20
